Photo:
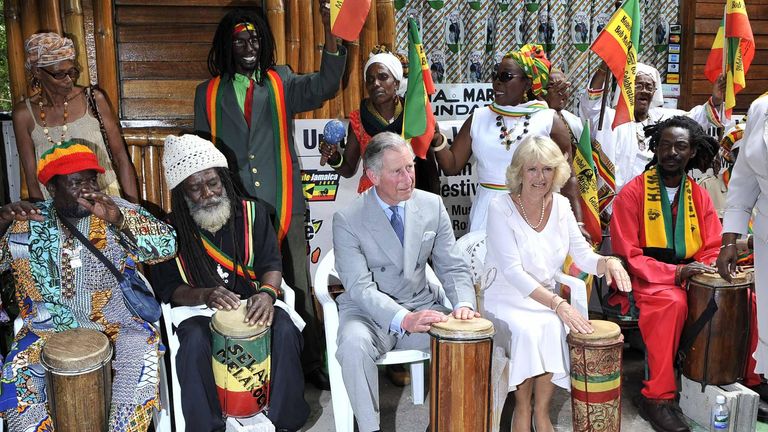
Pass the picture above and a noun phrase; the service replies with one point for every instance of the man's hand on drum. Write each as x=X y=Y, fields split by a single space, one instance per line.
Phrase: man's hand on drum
x=693 y=269
x=259 y=309
x=421 y=321
x=726 y=261
x=573 y=319
x=222 y=298
x=465 y=313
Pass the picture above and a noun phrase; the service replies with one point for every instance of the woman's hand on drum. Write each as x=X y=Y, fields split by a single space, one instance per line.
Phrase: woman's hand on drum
x=465 y=313
x=259 y=309
x=222 y=298
x=421 y=321
x=573 y=319
x=693 y=269
x=614 y=272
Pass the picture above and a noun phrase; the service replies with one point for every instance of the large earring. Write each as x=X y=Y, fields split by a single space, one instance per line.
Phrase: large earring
x=525 y=96
x=36 y=83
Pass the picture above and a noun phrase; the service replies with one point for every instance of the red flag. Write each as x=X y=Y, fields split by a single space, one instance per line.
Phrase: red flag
x=348 y=17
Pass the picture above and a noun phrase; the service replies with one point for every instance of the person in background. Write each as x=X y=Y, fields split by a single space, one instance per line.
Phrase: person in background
x=381 y=111
x=247 y=110
x=492 y=133
x=530 y=231
x=60 y=286
x=59 y=110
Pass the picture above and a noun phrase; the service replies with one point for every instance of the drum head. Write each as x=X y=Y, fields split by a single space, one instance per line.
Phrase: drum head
x=604 y=330
x=76 y=350
x=714 y=280
x=230 y=323
x=475 y=328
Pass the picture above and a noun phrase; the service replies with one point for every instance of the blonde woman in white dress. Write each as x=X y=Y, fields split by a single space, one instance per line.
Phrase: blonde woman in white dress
x=530 y=231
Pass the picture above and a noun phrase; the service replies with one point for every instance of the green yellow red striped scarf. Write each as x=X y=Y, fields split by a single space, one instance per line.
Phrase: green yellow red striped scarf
x=284 y=180
x=683 y=235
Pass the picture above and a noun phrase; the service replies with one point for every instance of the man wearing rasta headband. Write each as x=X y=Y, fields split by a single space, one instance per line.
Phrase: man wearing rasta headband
x=247 y=111
x=666 y=228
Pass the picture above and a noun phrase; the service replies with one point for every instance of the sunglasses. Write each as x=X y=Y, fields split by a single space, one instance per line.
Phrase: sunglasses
x=503 y=76
x=58 y=76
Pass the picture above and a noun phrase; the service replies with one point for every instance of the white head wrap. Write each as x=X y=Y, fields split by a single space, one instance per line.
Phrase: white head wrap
x=46 y=49
x=189 y=154
x=643 y=69
x=390 y=61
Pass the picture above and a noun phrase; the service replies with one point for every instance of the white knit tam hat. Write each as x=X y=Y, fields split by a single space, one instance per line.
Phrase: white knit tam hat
x=188 y=154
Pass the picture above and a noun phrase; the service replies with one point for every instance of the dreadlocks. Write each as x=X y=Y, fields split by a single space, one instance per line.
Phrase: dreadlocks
x=706 y=147
x=197 y=264
x=220 y=58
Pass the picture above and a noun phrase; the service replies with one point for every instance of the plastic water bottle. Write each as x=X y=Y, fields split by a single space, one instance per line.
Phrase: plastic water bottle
x=721 y=417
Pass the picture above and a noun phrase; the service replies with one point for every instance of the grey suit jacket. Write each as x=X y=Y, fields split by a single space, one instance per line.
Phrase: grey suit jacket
x=380 y=275
x=252 y=153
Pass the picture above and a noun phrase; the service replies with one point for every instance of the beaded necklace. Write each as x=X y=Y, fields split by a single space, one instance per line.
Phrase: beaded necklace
x=45 y=125
x=525 y=216
x=520 y=114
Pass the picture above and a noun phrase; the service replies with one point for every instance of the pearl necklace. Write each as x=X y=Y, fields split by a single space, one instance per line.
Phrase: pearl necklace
x=45 y=125
x=506 y=135
x=525 y=216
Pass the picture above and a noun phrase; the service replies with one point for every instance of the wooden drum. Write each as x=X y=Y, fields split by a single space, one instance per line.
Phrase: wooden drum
x=596 y=377
x=77 y=362
x=460 y=390
x=241 y=363
x=719 y=351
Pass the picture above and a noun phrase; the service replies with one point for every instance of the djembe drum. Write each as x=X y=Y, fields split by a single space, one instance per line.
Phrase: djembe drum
x=460 y=388
x=596 y=377
x=241 y=363
x=77 y=363
x=719 y=350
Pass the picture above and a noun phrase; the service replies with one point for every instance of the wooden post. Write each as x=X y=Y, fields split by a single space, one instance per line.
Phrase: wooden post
x=106 y=53
x=293 y=35
x=319 y=30
x=276 y=19
x=50 y=13
x=73 y=28
x=352 y=88
x=16 y=54
x=385 y=18
x=369 y=37
x=307 y=37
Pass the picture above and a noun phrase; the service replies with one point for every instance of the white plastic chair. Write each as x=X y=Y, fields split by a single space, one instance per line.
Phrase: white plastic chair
x=172 y=317
x=342 y=409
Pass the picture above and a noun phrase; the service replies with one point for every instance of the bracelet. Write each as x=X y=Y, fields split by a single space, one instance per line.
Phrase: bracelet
x=730 y=244
x=337 y=164
x=558 y=305
x=581 y=224
x=270 y=290
x=552 y=301
x=443 y=145
x=679 y=274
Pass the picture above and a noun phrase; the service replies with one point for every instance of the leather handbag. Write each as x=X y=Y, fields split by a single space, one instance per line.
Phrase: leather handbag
x=138 y=298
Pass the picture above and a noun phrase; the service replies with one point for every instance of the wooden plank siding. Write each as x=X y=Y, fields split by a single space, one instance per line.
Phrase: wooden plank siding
x=701 y=20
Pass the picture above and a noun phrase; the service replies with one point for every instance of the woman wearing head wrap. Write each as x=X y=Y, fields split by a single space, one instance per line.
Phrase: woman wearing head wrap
x=59 y=111
x=626 y=145
x=493 y=132
x=382 y=111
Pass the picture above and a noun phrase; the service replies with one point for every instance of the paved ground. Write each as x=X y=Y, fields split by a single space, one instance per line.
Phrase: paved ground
x=399 y=413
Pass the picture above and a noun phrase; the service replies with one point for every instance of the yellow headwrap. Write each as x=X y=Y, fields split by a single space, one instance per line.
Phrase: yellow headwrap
x=535 y=64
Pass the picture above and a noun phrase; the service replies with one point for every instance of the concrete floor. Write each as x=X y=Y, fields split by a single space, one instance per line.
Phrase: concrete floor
x=399 y=413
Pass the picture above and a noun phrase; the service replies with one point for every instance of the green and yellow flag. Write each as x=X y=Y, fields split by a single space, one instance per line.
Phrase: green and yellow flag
x=418 y=119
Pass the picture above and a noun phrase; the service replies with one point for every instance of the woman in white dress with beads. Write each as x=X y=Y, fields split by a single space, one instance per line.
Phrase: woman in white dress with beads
x=493 y=132
x=531 y=229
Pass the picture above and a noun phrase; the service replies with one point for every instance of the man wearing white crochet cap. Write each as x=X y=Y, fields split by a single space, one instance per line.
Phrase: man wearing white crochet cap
x=219 y=265
x=627 y=146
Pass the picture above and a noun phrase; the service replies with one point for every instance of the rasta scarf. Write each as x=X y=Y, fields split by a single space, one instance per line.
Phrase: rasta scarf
x=682 y=234
x=520 y=110
x=244 y=271
x=281 y=134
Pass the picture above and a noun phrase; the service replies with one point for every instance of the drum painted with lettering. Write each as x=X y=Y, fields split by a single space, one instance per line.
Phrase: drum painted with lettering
x=460 y=387
x=241 y=363
x=719 y=350
x=596 y=377
x=77 y=363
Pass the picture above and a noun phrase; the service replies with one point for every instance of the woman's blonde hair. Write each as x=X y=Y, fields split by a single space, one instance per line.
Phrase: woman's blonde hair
x=535 y=149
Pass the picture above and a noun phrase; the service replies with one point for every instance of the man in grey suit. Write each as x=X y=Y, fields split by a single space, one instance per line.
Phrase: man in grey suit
x=382 y=243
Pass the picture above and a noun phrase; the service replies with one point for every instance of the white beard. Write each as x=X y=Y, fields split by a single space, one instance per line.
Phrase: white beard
x=211 y=219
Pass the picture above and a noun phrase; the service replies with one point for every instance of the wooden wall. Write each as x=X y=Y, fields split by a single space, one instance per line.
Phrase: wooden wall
x=700 y=19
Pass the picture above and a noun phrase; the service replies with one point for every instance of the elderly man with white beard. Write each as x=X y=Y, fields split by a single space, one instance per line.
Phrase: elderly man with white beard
x=227 y=254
